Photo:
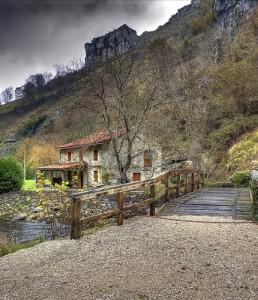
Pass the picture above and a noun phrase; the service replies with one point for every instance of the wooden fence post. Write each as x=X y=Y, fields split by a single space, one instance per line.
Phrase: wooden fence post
x=152 y=195
x=198 y=180
x=121 y=201
x=202 y=180
x=186 y=183
x=192 y=182
x=75 y=219
x=167 y=189
x=178 y=183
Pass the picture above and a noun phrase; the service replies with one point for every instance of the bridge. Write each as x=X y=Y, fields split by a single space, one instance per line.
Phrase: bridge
x=153 y=257
x=223 y=202
x=180 y=191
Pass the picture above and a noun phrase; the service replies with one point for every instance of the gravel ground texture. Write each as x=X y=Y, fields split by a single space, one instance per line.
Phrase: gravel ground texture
x=147 y=258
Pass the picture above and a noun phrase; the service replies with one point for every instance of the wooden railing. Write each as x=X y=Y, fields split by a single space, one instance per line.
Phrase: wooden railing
x=185 y=181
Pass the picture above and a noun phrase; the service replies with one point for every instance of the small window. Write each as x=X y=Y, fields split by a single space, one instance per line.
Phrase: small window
x=69 y=156
x=136 y=176
x=96 y=154
x=96 y=176
x=147 y=159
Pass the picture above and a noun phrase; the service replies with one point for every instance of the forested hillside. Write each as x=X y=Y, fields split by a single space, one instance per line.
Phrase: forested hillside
x=206 y=99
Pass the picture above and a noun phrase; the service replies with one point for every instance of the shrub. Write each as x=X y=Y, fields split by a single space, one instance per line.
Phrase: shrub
x=11 y=175
x=241 y=179
x=201 y=23
x=254 y=190
x=105 y=176
x=7 y=246
x=32 y=126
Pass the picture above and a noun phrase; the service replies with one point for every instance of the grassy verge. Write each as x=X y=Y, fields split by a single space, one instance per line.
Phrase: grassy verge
x=29 y=185
x=254 y=191
x=7 y=246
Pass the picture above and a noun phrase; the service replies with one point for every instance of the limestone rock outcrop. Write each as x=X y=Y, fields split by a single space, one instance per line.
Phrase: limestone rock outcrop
x=229 y=12
x=110 y=45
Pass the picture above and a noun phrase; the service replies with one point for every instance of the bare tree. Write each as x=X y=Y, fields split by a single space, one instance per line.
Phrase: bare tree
x=1 y=99
x=60 y=70
x=77 y=63
x=19 y=92
x=7 y=95
x=47 y=76
x=127 y=91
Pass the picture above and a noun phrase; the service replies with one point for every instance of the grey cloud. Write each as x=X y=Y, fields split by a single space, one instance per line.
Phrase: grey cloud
x=36 y=34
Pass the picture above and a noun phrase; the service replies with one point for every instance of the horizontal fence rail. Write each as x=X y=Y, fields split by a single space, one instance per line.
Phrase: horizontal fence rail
x=187 y=179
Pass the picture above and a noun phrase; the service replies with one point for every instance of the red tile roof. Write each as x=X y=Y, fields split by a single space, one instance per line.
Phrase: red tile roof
x=93 y=139
x=60 y=167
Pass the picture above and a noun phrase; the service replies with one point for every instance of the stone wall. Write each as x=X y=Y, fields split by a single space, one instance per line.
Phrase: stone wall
x=23 y=205
x=107 y=161
x=26 y=203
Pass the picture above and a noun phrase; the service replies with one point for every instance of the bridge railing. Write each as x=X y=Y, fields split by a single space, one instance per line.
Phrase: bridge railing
x=253 y=189
x=182 y=181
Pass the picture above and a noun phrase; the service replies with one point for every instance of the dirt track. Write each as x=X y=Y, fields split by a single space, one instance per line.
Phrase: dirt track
x=145 y=259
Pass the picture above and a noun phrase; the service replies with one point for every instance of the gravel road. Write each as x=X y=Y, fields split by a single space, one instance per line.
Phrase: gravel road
x=147 y=258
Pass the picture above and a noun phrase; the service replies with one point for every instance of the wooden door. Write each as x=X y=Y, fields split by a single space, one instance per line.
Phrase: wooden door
x=69 y=176
x=81 y=180
x=136 y=176
x=96 y=176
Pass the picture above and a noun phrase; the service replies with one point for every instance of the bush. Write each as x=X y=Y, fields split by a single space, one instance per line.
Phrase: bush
x=32 y=126
x=201 y=23
x=30 y=173
x=7 y=246
x=241 y=179
x=11 y=175
x=254 y=190
x=105 y=176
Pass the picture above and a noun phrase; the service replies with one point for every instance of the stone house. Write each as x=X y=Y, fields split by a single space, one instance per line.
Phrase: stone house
x=93 y=161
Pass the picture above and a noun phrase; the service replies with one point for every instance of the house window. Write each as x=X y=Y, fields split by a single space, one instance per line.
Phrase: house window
x=69 y=156
x=96 y=176
x=96 y=154
x=136 y=176
x=147 y=159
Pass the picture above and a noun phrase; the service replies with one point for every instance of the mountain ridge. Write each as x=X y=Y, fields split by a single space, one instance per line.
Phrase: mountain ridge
x=199 y=54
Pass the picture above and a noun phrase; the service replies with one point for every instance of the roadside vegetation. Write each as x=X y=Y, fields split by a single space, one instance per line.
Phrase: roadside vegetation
x=11 y=175
x=29 y=185
x=7 y=246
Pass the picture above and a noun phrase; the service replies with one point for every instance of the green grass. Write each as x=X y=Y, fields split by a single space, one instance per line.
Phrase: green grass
x=7 y=246
x=29 y=185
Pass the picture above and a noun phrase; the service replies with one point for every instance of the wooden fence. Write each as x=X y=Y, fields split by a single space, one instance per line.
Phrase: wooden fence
x=182 y=181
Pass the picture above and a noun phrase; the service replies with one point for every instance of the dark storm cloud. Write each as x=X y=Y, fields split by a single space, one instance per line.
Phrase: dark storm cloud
x=22 y=22
x=36 y=34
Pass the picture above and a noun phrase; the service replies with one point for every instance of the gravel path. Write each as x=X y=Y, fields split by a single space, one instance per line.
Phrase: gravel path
x=147 y=258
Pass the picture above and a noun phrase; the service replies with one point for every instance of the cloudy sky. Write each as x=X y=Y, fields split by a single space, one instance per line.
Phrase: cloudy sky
x=36 y=34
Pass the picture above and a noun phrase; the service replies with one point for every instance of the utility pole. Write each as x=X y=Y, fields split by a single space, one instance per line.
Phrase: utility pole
x=24 y=162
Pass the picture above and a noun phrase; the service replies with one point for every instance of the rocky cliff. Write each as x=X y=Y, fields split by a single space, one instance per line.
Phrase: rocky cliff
x=110 y=45
x=229 y=12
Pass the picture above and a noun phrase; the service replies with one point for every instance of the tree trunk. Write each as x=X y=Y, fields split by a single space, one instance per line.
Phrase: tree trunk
x=123 y=176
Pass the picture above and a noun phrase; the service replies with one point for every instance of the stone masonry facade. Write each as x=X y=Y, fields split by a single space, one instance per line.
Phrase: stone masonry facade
x=106 y=162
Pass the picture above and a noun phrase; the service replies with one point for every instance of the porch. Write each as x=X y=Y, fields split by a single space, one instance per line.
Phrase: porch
x=72 y=173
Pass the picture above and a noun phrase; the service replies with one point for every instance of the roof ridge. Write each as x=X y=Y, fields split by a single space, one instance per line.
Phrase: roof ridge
x=101 y=136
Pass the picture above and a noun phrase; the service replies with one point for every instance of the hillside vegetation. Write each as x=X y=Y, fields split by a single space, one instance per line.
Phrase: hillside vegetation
x=209 y=88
